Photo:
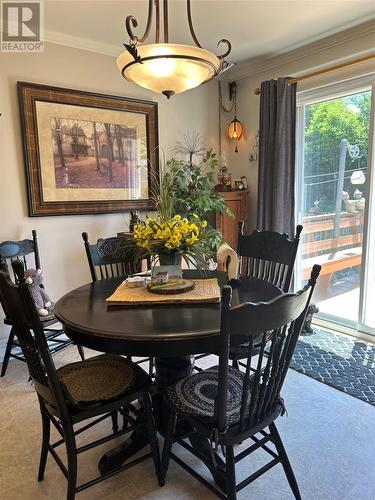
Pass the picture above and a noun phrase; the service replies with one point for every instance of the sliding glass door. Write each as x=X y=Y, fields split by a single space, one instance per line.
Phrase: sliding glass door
x=335 y=193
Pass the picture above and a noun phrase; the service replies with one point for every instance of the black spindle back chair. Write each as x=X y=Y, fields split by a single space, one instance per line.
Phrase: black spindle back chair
x=58 y=405
x=110 y=257
x=19 y=250
x=27 y=251
x=257 y=401
x=268 y=255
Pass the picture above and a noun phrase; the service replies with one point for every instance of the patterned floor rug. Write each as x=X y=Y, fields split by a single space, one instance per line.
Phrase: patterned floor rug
x=338 y=360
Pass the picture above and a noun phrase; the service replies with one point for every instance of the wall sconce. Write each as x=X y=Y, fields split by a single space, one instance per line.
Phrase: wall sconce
x=235 y=129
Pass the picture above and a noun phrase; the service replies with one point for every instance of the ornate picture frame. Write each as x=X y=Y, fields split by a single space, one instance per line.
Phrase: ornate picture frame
x=87 y=153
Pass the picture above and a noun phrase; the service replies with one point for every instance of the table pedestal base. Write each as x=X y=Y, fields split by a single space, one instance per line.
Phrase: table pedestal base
x=113 y=459
x=168 y=372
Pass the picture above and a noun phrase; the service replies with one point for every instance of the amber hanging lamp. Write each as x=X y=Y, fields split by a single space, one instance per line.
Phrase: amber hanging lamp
x=168 y=68
x=235 y=129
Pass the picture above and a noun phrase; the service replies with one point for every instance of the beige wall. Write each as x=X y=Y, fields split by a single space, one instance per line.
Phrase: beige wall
x=291 y=64
x=61 y=246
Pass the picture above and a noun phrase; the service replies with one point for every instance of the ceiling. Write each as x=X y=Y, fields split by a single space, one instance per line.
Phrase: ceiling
x=260 y=28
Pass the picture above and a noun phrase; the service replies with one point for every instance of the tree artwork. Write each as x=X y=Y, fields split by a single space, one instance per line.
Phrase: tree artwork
x=95 y=154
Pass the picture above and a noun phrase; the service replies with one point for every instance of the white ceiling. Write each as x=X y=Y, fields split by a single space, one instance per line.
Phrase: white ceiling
x=255 y=28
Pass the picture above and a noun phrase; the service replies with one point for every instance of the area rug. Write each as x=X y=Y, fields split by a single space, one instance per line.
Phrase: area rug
x=338 y=360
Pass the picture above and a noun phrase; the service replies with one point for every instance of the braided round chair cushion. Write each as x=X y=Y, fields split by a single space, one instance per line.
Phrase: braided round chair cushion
x=100 y=379
x=195 y=395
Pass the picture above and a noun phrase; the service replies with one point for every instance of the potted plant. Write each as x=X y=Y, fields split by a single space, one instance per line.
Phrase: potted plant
x=191 y=183
x=184 y=202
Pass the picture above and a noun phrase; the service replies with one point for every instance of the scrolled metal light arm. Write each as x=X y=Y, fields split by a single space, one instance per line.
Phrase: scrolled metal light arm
x=229 y=48
x=131 y=20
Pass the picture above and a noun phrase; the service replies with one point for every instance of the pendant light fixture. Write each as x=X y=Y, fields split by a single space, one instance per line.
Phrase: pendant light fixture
x=235 y=129
x=168 y=68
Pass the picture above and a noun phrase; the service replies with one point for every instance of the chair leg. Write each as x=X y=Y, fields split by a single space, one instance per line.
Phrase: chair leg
x=285 y=461
x=151 y=434
x=151 y=367
x=124 y=412
x=46 y=426
x=114 y=418
x=230 y=473
x=81 y=352
x=8 y=351
x=167 y=447
x=235 y=364
x=71 y=452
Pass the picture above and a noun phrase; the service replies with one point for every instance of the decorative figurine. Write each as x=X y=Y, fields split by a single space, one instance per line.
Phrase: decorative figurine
x=307 y=328
x=224 y=177
x=161 y=277
x=355 y=205
x=360 y=199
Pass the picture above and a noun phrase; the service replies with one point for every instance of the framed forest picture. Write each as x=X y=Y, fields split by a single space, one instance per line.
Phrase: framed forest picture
x=87 y=153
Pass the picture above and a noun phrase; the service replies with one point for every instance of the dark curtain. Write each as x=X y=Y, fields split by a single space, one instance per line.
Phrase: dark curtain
x=277 y=156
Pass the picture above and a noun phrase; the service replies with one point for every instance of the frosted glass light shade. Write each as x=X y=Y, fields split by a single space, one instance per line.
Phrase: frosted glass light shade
x=169 y=68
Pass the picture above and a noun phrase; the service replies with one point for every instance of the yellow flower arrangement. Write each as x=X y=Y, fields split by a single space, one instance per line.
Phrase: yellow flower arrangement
x=171 y=236
x=176 y=235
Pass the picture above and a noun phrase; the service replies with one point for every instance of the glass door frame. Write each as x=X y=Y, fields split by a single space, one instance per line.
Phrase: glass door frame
x=368 y=242
x=327 y=92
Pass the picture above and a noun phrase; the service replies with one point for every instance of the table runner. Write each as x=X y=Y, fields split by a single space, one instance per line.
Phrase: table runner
x=205 y=291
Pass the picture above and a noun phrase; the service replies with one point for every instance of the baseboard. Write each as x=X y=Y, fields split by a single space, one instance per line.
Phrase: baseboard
x=344 y=329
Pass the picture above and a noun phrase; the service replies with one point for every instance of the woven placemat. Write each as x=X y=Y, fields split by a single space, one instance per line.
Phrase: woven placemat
x=205 y=291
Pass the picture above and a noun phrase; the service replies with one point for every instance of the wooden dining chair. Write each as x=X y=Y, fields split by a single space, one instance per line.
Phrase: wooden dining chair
x=94 y=390
x=110 y=258
x=227 y=406
x=268 y=255
x=28 y=252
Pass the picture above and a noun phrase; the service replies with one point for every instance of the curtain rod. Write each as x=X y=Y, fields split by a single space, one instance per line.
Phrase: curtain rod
x=325 y=70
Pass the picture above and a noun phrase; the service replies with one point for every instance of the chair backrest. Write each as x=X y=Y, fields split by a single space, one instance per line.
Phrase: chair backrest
x=268 y=255
x=19 y=250
x=110 y=257
x=20 y=307
x=278 y=324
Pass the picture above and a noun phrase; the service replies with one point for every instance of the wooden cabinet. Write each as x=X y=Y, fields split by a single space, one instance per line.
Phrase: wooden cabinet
x=236 y=201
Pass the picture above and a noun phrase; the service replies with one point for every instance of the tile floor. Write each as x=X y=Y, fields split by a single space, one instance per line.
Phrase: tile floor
x=330 y=437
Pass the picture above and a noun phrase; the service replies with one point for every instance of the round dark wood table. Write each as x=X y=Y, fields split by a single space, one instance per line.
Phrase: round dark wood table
x=170 y=333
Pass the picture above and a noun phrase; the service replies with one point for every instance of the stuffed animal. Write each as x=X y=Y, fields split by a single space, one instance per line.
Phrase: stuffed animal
x=42 y=301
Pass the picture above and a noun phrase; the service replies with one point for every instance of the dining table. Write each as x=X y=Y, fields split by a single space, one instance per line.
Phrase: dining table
x=170 y=333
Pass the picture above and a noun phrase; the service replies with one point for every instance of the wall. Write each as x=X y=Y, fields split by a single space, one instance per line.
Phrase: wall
x=350 y=44
x=61 y=246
